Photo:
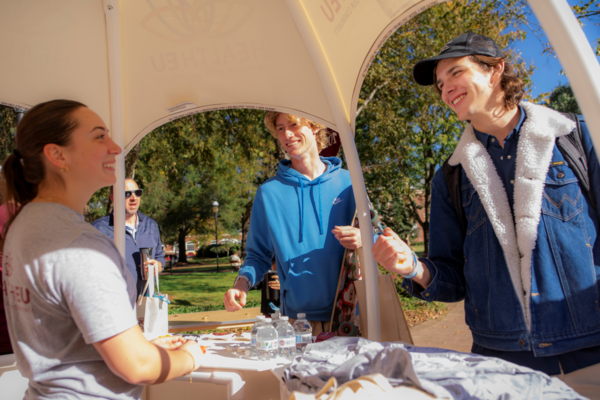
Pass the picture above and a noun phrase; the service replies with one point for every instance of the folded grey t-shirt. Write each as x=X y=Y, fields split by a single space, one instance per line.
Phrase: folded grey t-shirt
x=65 y=287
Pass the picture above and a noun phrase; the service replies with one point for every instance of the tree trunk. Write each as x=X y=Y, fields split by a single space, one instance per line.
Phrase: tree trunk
x=181 y=241
x=245 y=227
x=131 y=160
x=109 y=206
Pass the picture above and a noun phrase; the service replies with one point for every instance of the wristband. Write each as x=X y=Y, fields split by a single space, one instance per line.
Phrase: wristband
x=417 y=268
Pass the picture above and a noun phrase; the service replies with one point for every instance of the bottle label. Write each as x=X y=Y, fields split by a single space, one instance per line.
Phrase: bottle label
x=253 y=341
x=266 y=344
x=303 y=338
x=287 y=342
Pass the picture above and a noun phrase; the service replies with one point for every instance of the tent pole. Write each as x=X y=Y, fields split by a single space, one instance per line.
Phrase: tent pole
x=342 y=121
x=576 y=57
x=113 y=39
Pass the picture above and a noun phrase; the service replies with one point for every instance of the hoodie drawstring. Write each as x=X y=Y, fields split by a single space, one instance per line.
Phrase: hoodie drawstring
x=301 y=209
x=319 y=213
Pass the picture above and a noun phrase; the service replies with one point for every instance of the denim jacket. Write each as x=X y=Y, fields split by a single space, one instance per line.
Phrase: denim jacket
x=529 y=281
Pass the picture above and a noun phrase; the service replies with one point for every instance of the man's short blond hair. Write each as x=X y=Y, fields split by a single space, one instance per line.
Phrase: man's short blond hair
x=320 y=130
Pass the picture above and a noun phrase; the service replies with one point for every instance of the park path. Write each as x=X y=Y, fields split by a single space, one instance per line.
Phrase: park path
x=450 y=332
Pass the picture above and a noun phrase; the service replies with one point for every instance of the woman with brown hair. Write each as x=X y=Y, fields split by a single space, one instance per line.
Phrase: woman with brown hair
x=72 y=339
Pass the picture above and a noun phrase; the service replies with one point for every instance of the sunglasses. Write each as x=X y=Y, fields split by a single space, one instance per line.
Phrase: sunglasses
x=138 y=193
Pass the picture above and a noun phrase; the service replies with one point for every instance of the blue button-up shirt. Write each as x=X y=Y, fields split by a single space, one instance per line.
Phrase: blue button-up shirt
x=504 y=158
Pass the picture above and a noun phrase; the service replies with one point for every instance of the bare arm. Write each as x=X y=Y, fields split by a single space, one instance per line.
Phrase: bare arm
x=137 y=361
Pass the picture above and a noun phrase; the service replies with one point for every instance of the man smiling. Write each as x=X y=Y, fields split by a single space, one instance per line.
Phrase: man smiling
x=141 y=231
x=516 y=236
x=301 y=216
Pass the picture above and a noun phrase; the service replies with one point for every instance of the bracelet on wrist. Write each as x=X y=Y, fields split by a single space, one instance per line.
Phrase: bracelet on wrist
x=416 y=269
x=195 y=365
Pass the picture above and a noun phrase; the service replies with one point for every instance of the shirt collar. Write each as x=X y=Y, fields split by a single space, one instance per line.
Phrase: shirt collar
x=484 y=138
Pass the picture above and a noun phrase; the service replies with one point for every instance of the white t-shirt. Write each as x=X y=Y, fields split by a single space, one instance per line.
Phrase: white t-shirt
x=65 y=287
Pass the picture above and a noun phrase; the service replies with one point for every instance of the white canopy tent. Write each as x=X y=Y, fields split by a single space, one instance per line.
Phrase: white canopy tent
x=142 y=63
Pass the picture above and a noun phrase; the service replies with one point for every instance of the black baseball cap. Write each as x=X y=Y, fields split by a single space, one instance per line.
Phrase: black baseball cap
x=467 y=44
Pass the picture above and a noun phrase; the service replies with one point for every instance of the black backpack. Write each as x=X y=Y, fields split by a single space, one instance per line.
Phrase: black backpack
x=569 y=145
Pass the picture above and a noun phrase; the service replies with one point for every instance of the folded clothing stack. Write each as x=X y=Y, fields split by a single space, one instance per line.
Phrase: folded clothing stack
x=443 y=373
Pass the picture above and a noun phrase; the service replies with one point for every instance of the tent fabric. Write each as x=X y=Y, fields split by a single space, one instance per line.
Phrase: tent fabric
x=191 y=56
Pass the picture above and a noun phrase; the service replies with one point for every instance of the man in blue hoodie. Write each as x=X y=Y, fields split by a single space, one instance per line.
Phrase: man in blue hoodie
x=303 y=217
x=141 y=231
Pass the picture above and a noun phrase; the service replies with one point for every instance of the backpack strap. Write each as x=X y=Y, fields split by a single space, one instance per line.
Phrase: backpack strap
x=452 y=175
x=571 y=147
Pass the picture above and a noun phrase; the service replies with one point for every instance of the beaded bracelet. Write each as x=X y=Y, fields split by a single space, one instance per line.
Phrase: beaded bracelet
x=416 y=269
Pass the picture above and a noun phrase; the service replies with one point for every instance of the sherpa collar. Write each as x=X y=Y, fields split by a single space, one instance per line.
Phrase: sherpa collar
x=534 y=154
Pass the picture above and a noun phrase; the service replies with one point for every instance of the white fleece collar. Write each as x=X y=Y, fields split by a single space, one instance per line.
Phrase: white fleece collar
x=534 y=154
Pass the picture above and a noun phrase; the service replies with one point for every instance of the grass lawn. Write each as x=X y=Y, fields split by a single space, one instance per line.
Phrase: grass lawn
x=420 y=249
x=199 y=287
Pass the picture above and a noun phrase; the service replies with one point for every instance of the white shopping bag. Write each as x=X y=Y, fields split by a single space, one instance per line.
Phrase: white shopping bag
x=153 y=308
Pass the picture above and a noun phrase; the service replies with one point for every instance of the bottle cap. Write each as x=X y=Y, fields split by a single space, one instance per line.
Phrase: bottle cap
x=284 y=318
x=301 y=315
x=267 y=320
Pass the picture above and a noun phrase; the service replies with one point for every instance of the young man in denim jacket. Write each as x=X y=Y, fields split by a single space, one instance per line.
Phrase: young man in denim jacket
x=528 y=264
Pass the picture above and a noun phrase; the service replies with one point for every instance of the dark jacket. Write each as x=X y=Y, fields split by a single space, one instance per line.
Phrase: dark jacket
x=532 y=285
x=147 y=235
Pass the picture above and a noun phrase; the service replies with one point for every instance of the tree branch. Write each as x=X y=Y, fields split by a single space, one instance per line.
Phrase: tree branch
x=368 y=100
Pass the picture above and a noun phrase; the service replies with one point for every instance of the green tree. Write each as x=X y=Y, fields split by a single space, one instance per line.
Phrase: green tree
x=589 y=10
x=8 y=125
x=562 y=99
x=185 y=165
x=404 y=131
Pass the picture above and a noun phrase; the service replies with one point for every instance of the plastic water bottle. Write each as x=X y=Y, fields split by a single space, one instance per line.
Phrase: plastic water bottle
x=275 y=318
x=303 y=333
x=259 y=321
x=266 y=341
x=286 y=336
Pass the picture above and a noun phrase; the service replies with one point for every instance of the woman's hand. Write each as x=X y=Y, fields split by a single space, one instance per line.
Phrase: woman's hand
x=169 y=342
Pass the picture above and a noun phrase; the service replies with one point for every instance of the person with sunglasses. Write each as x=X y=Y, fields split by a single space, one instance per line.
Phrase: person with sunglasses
x=141 y=232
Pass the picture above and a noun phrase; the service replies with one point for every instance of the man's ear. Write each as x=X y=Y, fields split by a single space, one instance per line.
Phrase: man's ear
x=54 y=154
x=497 y=72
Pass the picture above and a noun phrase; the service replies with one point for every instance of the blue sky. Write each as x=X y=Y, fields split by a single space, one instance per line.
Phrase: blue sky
x=547 y=75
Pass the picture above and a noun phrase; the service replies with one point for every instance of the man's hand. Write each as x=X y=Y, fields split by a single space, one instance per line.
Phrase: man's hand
x=348 y=236
x=157 y=266
x=169 y=342
x=235 y=298
x=392 y=253
x=274 y=283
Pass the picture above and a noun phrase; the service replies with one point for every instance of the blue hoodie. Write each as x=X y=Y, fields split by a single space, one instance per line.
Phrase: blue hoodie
x=292 y=218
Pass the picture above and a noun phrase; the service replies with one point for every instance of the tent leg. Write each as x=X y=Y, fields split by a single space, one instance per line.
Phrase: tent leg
x=576 y=57
x=342 y=121
x=111 y=10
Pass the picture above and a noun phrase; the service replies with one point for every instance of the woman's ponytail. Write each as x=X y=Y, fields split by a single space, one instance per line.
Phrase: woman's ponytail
x=24 y=169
